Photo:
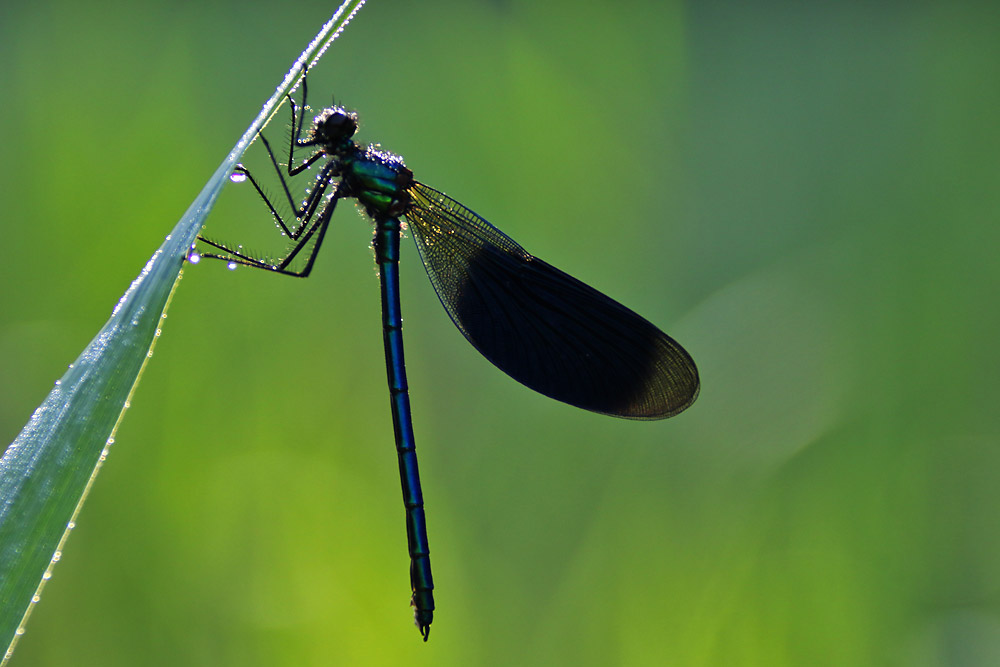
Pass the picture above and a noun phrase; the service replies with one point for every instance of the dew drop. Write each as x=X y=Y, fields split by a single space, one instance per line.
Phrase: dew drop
x=194 y=258
x=237 y=177
x=231 y=266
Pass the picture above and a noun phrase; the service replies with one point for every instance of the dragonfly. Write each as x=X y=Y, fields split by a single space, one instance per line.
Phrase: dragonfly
x=541 y=326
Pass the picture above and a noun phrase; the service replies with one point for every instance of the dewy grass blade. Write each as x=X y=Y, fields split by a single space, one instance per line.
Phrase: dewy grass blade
x=46 y=472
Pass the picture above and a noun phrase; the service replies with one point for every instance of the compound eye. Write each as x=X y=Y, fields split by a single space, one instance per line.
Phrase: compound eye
x=340 y=123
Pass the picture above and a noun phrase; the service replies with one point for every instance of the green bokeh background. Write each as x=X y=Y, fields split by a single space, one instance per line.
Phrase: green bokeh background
x=805 y=196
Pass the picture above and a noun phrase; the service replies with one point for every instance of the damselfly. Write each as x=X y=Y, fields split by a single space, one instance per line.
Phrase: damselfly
x=539 y=325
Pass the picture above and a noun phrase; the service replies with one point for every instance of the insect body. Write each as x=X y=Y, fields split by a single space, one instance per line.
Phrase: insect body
x=539 y=325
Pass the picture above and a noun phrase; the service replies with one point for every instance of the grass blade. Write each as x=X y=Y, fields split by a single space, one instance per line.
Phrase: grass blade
x=46 y=472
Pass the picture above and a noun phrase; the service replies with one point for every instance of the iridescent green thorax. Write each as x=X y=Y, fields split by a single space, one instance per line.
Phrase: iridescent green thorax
x=377 y=179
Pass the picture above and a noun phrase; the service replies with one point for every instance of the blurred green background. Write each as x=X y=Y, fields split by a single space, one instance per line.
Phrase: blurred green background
x=805 y=196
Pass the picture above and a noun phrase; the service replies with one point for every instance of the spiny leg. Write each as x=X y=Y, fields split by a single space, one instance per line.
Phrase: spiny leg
x=295 y=139
x=303 y=213
x=302 y=232
x=310 y=161
x=315 y=228
x=308 y=207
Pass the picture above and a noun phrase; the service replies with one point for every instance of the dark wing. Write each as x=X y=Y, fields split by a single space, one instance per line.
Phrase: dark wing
x=543 y=327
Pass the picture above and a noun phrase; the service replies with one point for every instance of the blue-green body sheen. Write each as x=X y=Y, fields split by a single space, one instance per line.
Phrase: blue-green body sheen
x=377 y=179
